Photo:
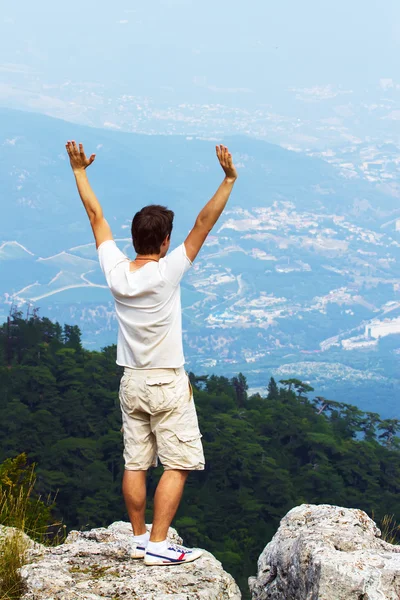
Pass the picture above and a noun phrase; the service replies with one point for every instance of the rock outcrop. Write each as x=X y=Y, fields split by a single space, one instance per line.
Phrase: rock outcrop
x=96 y=564
x=26 y=542
x=327 y=553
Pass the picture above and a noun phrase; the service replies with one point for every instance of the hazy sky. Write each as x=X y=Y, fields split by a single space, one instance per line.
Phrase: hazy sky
x=250 y=49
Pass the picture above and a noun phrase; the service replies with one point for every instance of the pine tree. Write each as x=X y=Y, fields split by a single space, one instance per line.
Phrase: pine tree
x=273 y=391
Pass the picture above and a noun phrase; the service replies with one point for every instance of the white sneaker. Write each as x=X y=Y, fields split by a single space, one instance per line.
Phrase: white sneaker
x=172 y=554
x=138 y=549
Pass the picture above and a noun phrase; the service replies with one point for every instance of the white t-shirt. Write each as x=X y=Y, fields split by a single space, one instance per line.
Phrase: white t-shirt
x=148 y=307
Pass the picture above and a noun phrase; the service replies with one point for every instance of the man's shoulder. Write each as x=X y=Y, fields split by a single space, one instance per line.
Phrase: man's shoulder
x=175 y=264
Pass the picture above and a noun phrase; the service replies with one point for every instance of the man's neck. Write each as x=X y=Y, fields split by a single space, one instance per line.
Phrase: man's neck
x=144 y=257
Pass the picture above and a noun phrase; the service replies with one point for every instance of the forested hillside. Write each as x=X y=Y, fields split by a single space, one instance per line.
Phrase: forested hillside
x=265 y=454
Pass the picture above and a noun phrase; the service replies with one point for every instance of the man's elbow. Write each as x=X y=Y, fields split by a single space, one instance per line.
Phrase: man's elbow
x=95 y=217
x=203 y=225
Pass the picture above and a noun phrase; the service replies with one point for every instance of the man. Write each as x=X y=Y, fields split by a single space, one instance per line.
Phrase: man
x=158 y=411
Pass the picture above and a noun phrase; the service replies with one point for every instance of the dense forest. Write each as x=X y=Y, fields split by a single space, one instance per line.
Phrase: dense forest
x=265 y=454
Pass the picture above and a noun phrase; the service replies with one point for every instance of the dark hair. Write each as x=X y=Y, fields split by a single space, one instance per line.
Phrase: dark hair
x=150 y=227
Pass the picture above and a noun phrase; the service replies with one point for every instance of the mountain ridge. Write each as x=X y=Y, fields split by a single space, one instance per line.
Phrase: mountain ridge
x=298 y=258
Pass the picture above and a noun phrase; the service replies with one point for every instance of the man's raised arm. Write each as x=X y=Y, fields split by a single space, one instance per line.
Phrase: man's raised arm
x=79 y=164
x=210 y=214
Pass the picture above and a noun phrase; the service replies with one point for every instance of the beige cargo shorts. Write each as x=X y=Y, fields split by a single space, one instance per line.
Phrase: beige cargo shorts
x=159 y=420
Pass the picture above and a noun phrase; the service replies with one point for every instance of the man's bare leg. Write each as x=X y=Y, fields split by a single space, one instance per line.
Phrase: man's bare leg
x=166 y=501
x=134 y=491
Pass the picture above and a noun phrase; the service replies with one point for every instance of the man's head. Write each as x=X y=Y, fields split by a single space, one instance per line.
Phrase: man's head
x=151 y=230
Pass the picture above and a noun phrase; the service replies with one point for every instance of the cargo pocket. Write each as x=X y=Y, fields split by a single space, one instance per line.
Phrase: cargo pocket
x=191 y=449
x=161 y=393
x=127 y=394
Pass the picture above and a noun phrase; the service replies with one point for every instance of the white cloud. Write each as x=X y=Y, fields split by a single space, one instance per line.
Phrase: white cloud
x=344 y=110
x=123 y=21
x=214 y=88
x=318 y=92
x=14 y=68
x=386 y=84
x=332 y=121
x=394 y=115
x=111 y=125
x=201 y=81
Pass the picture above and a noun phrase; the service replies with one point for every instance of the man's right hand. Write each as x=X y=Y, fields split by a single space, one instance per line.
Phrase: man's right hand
x=225 y=160
x=77 y=157
x=210 y=214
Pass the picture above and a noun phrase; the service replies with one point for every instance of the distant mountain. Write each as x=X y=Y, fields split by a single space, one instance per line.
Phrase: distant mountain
x=13 y=250
x=42 y=210
x=299 y=276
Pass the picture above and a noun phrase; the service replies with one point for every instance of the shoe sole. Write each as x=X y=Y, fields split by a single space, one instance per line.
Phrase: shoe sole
x=168 y=563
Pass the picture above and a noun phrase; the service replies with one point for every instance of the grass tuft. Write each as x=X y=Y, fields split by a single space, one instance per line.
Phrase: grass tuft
x=22 y=513
x=390 y=529
x=13 y=551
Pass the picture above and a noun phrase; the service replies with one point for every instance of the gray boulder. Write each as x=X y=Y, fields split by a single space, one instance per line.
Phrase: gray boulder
x=96 y=564
x=327 y=553
x=25 y=541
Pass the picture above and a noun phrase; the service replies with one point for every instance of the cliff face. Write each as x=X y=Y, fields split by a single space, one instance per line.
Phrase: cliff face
x=318 y=553
x=96 y=564
x=327 y=553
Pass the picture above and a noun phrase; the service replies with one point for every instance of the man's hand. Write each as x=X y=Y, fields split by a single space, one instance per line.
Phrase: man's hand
x=225 y=160
x=77 y=156
x=210 y=214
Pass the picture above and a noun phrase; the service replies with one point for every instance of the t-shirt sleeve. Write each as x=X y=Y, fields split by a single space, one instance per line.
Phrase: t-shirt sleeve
x=109 y=257
x=176 y=263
